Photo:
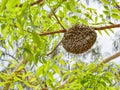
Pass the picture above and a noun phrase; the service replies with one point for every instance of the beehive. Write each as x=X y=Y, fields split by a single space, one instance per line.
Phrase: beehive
x=79 y=39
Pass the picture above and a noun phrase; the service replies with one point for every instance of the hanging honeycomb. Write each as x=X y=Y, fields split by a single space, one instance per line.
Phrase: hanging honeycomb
x=79 y=39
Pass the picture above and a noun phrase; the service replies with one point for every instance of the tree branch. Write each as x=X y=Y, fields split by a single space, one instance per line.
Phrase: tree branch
x=95 y=28
x=54 y=9
x=110 y=58
x=54 y=48
x=34 y=3
x=60 y=25
x=107 y=27
x=117 y=6
x=54 y=32
x=56 y=17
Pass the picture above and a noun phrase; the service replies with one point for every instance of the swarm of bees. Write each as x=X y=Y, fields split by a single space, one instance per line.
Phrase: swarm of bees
x=79 y=39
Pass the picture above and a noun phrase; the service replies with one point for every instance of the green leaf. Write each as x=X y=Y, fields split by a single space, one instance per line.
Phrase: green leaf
x=50 y=76
x=21 y=67
x=107 y=32
x=73 y=19
x=83 y=6
x=105 y=2
x=100 y=32
x=12 y=3
x=83 y=21
x=106 y=7
x=96 y=19
x=56 y=69
x=40 y=70
x=107 y=13
x=16 y=79
x=20 y=87
x=115 y=16
x=2 y=83
x=36 y=38
x=62 y=62
x=115 y=11
x=3 y=4
x=71 y=5
x=111 y=30
x=27 y=49
x=28 y=84
x=12 y=65
x=47 y=66
x=10 y=43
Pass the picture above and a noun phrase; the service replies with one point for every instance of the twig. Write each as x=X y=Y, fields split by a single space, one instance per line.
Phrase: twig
x=11 y=56
x=107 y=60
x=56 y=17
x=62 y=85
x=110 y=58
x=95 y=28
x=54 y=48
x=107 y=27
x=34 y=3
x=54 y=9
x=54 y=32
x=117 y=6
x=60 y=25
x=58 y=20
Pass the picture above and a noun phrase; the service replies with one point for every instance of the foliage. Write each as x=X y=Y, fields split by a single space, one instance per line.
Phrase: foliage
x=24 y=50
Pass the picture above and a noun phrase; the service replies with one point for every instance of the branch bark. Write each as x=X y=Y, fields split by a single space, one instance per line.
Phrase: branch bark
x=50 y=33
x=54 y=48
x=55 y=9
x=95 y=28
x=34 y=3
x=107 y=27
x=110 y=58
x=57 y=19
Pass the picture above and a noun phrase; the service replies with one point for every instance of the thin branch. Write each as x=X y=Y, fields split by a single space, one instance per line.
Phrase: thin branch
x=11 y=56
x=95 y=28
x=34 y=3
x=60 y=25
x=107 y=27
x=116 y=55
x=56 y=17
x=37 y=2
x=54 y=32
x=62 y=85
x=54 y=9
x=58 y=20
x=54 y=48
x=117 y=6
x=3 y=60
x=63 y=31
x=110 y=58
